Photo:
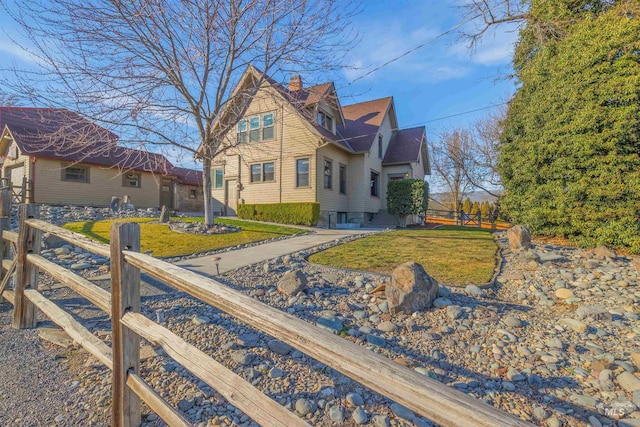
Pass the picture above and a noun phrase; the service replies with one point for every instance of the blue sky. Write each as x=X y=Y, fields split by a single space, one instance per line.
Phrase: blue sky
x=441 y=79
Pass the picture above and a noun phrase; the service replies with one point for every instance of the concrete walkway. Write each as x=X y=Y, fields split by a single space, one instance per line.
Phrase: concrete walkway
x=247 y=256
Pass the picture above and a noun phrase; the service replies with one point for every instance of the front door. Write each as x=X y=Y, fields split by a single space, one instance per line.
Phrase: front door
x=166 y=193
x=230 y=197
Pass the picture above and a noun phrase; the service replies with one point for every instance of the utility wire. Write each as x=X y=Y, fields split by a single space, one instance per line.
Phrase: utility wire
x=420 y=46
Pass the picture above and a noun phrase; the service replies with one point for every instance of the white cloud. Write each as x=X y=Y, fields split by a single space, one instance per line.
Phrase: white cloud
x=17 y=52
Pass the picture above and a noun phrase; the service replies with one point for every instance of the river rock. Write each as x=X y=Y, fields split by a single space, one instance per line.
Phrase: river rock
x=605 y=252
x=519 y=237
x=411 y=289
x=292 y=282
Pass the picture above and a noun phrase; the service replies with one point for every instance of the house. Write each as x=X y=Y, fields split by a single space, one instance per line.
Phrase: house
x=299 y=144
x=60 y=158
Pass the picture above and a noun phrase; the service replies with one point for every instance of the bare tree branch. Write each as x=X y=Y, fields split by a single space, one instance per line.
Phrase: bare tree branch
x=162 y=72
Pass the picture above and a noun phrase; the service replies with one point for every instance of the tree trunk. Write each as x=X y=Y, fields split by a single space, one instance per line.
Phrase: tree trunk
x=206 y=186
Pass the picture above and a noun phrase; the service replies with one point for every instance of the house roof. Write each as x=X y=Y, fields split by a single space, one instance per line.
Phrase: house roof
x=60 y=134
x=187 y=176
x=363 y=121
x=405 y=146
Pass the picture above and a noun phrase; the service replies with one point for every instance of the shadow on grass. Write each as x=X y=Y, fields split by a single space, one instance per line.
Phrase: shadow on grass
x=87 y=230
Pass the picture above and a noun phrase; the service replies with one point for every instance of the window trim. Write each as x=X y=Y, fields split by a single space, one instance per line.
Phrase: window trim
x=308 y=159
x=326 y=120
x=66 y=166
x=215 y=178
x=327 y=162
x=379 y=146
x=262 y=178
x=193 y=194
x=138 y=176
x=245 y=136
x=377 y=183
x=342 y=167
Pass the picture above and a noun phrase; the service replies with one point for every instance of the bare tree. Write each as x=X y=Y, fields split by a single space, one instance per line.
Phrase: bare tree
x=163 y=71
x=484 y=14
x=481 y=160
x=448 y=162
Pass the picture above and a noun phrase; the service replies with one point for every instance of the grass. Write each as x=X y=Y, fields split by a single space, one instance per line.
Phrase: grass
x=453 y=255
x=164 y=242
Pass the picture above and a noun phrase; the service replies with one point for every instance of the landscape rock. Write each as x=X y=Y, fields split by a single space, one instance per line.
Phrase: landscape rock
x=304 y=406
x=411 y=289
x=359 y=416
x=519 y=237
x=593 y=313
x=165 y=215
x=292 y=282
x=279 y=347
x=605 y=252
x=628 y=381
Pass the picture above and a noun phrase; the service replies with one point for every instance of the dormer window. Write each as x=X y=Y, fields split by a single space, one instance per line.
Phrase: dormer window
x=325 y=120
x=256 y=128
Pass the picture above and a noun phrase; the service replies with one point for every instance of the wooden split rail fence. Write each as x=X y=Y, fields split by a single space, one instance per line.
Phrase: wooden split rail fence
x=423 y=395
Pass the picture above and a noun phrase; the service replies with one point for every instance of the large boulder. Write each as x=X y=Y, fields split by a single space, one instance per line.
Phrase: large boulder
x=519 y=237
x=292 y=282
x=411 y=289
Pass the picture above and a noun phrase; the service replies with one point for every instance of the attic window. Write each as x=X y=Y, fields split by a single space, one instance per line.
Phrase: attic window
x=256 y=128
x=132 y=180
x=325 y=120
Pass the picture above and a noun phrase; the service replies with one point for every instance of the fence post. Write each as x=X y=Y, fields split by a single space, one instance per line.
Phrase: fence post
x=29 y=240
x=125 y=297
x=5 y=224
x=479 y=219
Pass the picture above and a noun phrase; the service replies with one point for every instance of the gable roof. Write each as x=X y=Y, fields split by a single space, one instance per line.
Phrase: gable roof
x=362 y=122
x=60 y=134
x=405 y=146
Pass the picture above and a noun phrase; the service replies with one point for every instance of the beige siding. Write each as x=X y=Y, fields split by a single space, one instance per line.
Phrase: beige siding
x=187 y=201
x=21 y=159
x=49 y=188
x=374 y=204
x=331 y=199
x=292 y=140
x=357 y=183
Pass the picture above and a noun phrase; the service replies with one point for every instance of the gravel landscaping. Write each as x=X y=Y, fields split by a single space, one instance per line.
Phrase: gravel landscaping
x=555 y=341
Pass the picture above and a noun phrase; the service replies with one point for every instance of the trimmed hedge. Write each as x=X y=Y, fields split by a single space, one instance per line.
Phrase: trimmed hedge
x=304 y=213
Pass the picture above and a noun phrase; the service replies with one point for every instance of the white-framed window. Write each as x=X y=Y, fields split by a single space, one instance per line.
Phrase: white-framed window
x=379 y=146
x=302 y=172
x=218 y=178
x=262 y=172
x=132 y=179
x=343 y=179
x=75 y=173
x=325 y=120
x=257 y=128
x=328 y=174
x=375 y=184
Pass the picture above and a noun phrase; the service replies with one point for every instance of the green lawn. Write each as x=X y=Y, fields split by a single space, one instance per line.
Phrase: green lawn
x=166 y=243
x=453 y=255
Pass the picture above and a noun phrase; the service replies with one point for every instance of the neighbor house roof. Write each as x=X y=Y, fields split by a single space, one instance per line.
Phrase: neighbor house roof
x=404 y=146
x=60 y=134
x=187 y=176
x=363 y=121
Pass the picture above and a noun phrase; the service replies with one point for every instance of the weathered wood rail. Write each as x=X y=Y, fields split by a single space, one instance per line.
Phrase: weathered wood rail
x=425 y=396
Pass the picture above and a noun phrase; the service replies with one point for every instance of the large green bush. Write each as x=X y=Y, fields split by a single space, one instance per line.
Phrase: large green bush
x=570 y=151
x=304 y=213
x=407 y=197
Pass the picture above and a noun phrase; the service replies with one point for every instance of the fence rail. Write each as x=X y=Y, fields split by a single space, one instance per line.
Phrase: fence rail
x=425 y=396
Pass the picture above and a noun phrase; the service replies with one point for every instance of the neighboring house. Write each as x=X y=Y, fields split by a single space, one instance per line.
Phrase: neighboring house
x=298 y=144
x=67 y=160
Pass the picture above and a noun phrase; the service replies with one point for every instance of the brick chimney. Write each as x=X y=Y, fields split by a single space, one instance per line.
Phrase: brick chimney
x=295 y=82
